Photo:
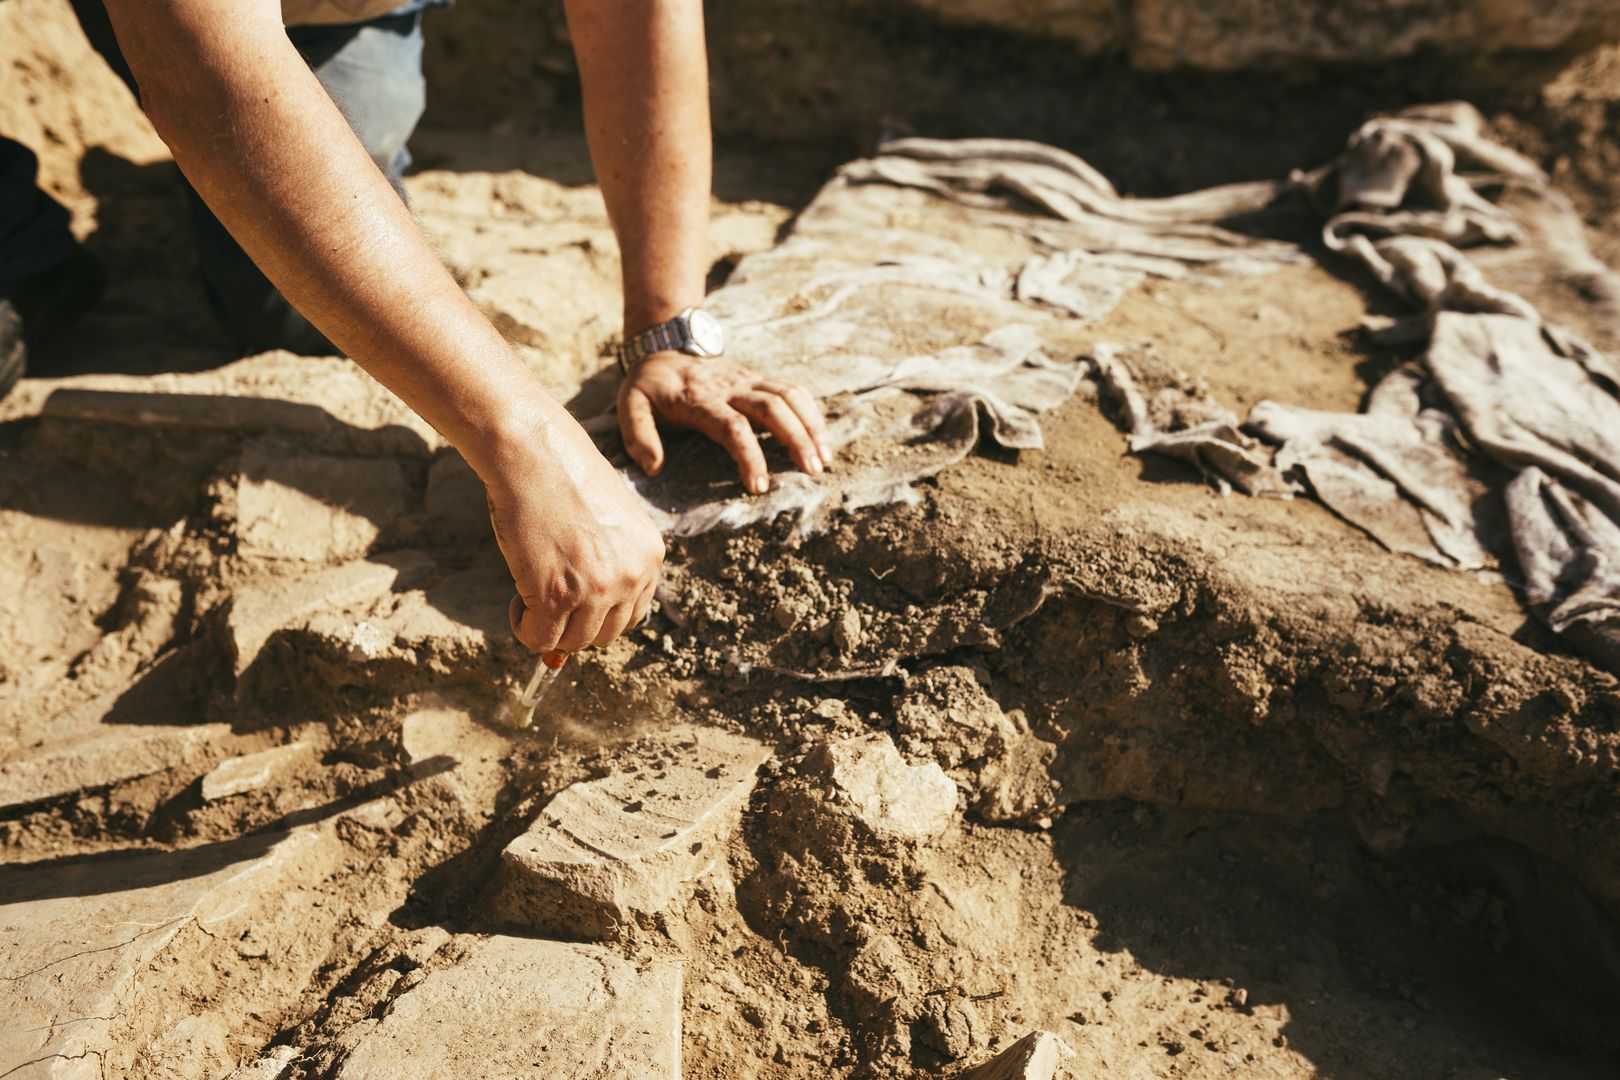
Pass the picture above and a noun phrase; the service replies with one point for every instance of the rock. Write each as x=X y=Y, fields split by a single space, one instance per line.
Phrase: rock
x=630 y=844
x=456 y=504
x=791 y=610
x=330 y=404
x=250 y=771
x=1230 y=35
x=528 y=1007
x=1017 y=787
x=441 y=737
x=314 y=508
x=451 y=638
x=1037 y=1056
x=455 y=628
x=867 y=778
x=847 y=631
x=105 y=955
x=260 y=609
x=881 y=972
x=1001 y=767
x=269 y=1067
x=951 y=1024
x=948 y=716
x=81 y=750
x=444 y=733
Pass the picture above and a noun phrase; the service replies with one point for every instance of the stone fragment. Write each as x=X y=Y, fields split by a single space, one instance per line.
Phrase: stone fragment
x=456 y=505
x=1017 y=786
x=103 y=954
x=881 y=971
x=867 y=777
x=527 y=1007
x=946 y=714
x=330 y=404
x=260 y=609
x=791 y=610
x=314 y=508
x=1037 y=1056
x=631 y=843
x=81 y=750
x=847 y=631
x=457 y=627
x=1002 y=768
x=440 y=737
x=952 y=1025
x=250 y=771
x=272 y=1066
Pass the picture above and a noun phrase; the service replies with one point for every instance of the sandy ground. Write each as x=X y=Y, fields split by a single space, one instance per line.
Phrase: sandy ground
x=1305 y=808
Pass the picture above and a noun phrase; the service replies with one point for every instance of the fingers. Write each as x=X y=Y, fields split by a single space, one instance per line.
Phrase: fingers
x=643 y=604
x=538 y=629
x=808 y=412
x=584 y=628
x=640 y=431
x=731 y=429
x=617 y=620
x=773 y=413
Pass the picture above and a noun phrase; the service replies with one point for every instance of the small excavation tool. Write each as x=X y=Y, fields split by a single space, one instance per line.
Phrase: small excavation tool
x=520 y=710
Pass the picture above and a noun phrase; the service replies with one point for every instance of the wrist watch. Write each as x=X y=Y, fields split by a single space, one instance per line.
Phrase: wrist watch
x=693 y=331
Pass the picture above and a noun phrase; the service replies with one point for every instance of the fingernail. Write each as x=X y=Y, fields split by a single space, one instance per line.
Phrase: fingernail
x=815 y=465
x=761 y=485
x=826 y=452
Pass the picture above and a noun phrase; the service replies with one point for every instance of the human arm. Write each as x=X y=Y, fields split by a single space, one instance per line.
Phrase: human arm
x=264 y=146
x=645 y=79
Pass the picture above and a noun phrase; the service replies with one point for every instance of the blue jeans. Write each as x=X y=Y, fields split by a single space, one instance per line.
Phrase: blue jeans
x=373 y=73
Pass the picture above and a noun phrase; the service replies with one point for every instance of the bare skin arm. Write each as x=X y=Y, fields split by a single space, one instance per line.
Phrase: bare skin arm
x=264 y=146
x=646 y=84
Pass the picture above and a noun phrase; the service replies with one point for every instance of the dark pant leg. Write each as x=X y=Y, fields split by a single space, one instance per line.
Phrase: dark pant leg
x=373 y=72
x=34 y=234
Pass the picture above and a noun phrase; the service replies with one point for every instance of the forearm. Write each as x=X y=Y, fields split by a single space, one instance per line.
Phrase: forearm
x=269 y=153
x=645 y=79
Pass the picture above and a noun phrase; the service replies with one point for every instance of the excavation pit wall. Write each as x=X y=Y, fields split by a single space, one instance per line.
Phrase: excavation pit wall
x=1220 y=765
x=1193 y=772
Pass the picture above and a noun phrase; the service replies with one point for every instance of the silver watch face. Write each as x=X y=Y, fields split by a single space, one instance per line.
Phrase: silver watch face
x=708 y=336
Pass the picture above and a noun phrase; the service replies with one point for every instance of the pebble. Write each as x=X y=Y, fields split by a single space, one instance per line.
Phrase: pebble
x=848 y=632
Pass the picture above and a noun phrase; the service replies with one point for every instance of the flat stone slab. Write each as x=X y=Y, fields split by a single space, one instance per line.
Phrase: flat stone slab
x=249 y=771
x=629 y=844
x=264 y=607
x=81 y=750
x=99 y=954
x=1040 y=1055
x=314 y=508
x=528 y=1007
x=330 y=404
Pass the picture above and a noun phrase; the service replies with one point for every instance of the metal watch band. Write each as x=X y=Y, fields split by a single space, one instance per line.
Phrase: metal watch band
x=671 y=335
x=654 y=339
